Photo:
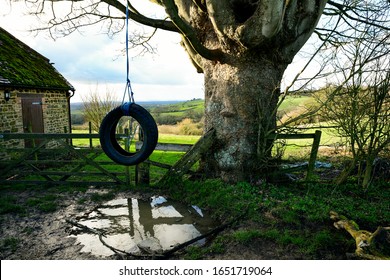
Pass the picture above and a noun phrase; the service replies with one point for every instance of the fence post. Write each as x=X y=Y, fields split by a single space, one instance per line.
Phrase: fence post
x=142 y=172
x=90 y=132
x=313 y=154
x=66 y=131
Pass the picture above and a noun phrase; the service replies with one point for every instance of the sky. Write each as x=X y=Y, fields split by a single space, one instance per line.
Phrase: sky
x=93 y=61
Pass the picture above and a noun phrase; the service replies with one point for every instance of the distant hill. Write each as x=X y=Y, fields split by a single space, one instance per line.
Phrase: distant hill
x=173 y=112
x=74 y=106
x=176 y=112
x=164 y=112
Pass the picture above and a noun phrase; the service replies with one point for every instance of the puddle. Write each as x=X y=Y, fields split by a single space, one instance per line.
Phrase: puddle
x=130 y=224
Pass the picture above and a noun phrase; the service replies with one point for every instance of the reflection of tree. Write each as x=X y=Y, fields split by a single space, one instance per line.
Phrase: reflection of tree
x=145 y=217
x=147 y=222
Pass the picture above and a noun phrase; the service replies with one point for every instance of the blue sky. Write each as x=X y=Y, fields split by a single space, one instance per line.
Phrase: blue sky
x=93 y=60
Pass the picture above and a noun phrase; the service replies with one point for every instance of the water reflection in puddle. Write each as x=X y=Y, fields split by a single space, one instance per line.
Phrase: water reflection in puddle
x=131 y=224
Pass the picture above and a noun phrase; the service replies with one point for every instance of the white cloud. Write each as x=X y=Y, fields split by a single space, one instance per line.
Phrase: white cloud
x=92 y=58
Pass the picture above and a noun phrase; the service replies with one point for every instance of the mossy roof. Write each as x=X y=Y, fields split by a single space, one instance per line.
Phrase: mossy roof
x=21 y=66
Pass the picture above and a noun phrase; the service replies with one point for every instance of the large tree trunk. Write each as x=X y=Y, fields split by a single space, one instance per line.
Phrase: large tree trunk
x=243 y=48
x=241 y=101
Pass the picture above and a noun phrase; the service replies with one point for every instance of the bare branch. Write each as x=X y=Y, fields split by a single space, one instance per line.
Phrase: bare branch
x=134 y=15
x=344 y=9
x=189 y=33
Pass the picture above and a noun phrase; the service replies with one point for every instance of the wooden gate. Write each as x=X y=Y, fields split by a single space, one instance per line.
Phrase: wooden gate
x=55 y=161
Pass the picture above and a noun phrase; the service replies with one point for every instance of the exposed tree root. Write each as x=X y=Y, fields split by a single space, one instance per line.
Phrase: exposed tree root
x=370 y=246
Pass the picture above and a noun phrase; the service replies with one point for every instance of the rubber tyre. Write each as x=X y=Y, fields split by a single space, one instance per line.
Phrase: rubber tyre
x=108 y=129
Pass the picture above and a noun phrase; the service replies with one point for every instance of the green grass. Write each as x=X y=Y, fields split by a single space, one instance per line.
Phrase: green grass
x=292 y=102
x=10 y=243
x=47 y=203
x=9 y=204
x=178 y=139
x=293 y=215
x=162 y=138
x=196 y=105
x=182 y=108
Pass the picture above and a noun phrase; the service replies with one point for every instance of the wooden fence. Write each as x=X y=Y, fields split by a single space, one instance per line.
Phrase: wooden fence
x=316 y=136
x=193 y=154
x=54 y=160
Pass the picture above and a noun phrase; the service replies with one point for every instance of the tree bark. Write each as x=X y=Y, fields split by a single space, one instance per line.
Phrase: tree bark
x=240 y=104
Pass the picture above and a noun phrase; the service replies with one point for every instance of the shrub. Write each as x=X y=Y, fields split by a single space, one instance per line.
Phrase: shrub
x=188 y=127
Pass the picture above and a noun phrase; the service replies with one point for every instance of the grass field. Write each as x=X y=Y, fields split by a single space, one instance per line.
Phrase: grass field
x=293 y=149
x=292 y=102
x=194 y=109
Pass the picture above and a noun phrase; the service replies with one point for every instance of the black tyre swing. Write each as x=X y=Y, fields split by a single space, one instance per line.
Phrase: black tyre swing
x=147 y=126
x=108 y=134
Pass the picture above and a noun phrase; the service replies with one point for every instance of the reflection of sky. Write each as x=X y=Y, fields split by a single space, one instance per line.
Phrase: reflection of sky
x=171 y=235
x=124 y=230
x=120 y=211
x=165 y=212
x=121 y=201
x=97 y=223
x=156 y=200
x=91 y=244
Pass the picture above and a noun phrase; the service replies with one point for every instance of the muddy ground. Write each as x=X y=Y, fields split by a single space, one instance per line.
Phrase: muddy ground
x=41 y=235
x=37 y=234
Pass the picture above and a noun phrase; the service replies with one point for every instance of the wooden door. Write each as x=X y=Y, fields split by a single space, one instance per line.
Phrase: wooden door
x=32 y=117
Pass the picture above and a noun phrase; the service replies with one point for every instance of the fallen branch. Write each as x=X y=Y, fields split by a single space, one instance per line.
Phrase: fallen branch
x=182 y=166
x=371 y=246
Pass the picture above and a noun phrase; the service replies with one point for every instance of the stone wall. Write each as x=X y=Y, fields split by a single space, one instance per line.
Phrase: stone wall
x=10 y=114
x=10 y=121
x=55 y=114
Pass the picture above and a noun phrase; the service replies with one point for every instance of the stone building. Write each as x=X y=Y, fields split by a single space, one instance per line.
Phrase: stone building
x=34 y=96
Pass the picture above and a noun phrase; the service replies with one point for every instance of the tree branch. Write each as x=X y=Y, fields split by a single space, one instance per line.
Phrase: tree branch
x=266 y=22
x=366 y=20
x=221 y=16
x=189 y=33
x=200 y=5
x=302 y=21
x=155 y=23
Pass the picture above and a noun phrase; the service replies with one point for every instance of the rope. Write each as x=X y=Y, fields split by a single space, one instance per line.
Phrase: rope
x=128 y=90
